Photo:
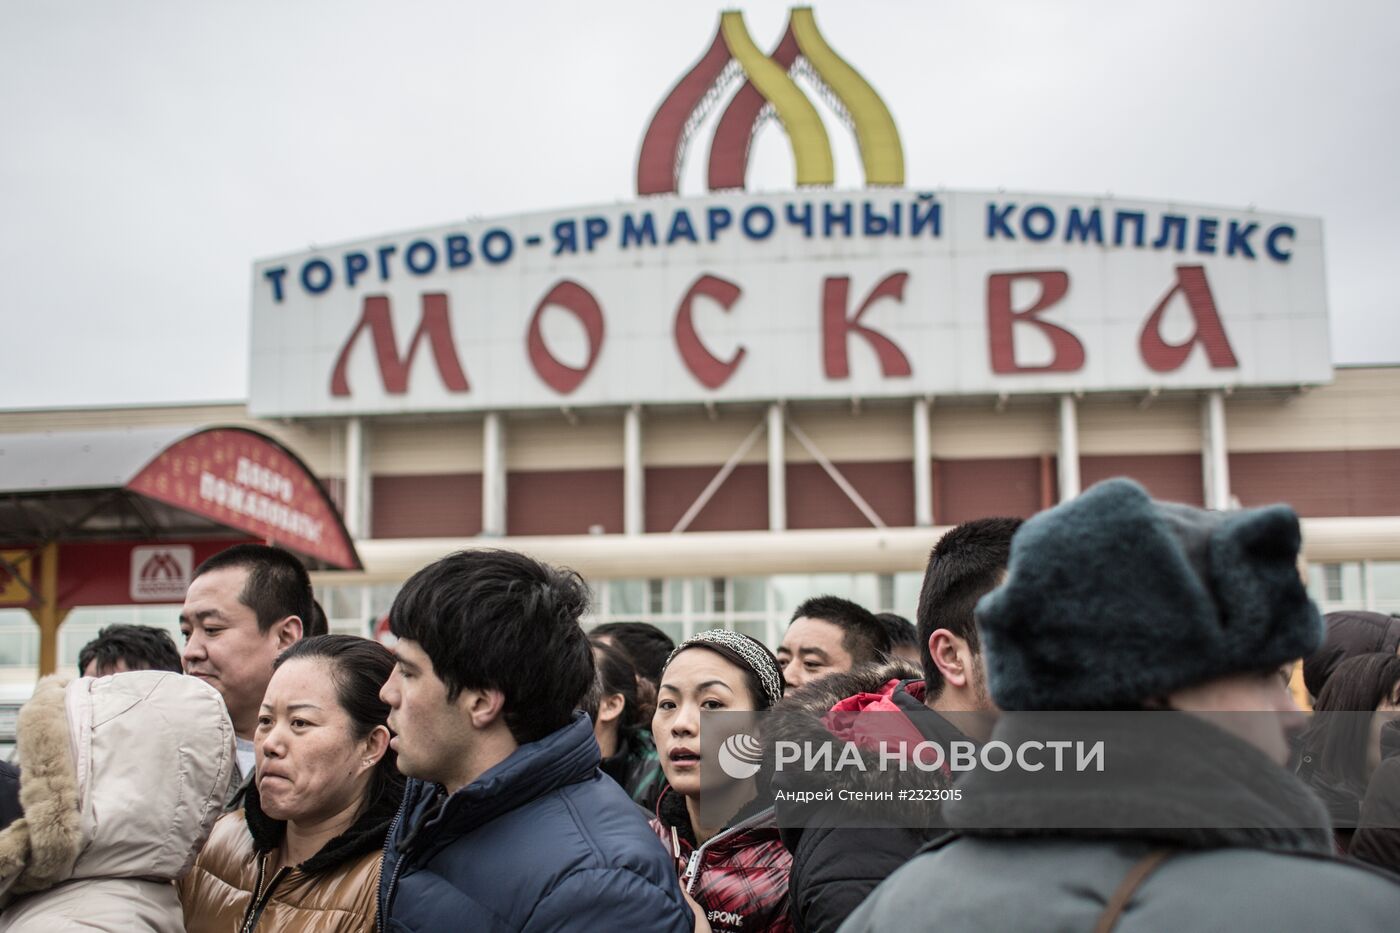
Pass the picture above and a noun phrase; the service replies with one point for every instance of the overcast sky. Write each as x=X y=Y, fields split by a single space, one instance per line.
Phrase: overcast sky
x=152 y=150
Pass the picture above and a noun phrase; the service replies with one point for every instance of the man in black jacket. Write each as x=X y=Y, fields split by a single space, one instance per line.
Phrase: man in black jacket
x=842 y=852
x=507 y=823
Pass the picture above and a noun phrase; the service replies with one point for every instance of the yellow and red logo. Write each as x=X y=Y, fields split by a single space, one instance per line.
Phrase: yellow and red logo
x=768 y=90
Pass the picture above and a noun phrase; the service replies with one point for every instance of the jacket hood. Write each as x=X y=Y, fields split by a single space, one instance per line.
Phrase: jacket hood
x=121 y=777
x=802 y=717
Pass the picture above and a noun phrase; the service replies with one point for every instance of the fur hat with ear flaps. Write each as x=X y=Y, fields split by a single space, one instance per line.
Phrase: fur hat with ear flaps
x=1111 y=599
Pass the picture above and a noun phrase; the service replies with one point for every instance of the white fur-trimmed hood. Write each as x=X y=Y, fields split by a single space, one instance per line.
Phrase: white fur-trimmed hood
x=120 y=777
x=38 y=850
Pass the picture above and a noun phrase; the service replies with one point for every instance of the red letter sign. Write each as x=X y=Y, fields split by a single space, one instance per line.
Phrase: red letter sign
x=712 y=371
x=433 y=324
x=836 y=326
x=577 y=300
x=1001 y=321
x=1164 y=357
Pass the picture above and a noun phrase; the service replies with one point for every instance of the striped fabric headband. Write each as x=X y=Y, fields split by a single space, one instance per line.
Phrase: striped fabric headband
x=757 y=657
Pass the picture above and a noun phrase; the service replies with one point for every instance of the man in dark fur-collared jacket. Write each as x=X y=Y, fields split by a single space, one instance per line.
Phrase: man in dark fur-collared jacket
x=842 y=850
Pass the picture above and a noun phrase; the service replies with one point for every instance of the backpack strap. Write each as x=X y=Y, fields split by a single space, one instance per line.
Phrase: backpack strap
x=1128 y=887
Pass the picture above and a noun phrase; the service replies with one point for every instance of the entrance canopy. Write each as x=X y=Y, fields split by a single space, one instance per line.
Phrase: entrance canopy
x=163 y=483
x=129 y=514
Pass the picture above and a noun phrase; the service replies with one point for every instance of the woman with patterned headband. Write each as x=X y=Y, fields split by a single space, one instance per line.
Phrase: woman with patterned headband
x=728 y=853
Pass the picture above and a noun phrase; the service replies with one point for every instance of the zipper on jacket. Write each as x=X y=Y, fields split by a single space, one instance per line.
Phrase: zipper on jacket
x=394 y=877
x=692 y=868
x=261 y=897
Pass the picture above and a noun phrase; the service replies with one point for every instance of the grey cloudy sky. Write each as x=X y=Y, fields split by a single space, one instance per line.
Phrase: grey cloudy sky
x=152 y=150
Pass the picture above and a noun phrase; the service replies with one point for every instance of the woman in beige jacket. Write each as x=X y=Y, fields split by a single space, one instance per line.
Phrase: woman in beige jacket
x=303 y=853
x=121 y=779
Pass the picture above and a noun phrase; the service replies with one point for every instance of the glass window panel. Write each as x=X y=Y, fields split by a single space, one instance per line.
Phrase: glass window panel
x=674 y=598
x=719 y=593
x=672 y=629
x=83 y=623
x=625 y=598
x=19 y=639
x=906 y=594
x=750 y=594
x=700 y=599
x=656 y=597
x=753 y=629
x=885 y=587
x=1385 y=583
x=1352 y=590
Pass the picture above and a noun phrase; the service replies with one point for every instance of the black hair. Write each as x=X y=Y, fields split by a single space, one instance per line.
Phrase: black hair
x=901 y=631
x=616 y=675
x=496 y=619
x=359 y=670
x=317 y=624
x=862 y=635
x=1334 y=747
x=277 y=586
x=142 y=647
x=646 y=645
x=966 y=564
x=1349 y=633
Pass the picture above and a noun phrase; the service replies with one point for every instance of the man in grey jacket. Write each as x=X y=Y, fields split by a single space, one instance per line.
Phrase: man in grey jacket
x=1114 y=602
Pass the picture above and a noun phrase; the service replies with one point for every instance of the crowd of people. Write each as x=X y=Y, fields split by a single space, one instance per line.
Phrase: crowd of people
x=500 y=768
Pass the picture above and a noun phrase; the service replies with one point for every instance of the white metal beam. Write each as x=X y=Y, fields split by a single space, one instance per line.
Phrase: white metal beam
x=1215 y=457
x=777 y=469
x=923 y=465
x=633 y=473
x=493 y=475
x=1069 y=448
x=717 y=480
x=841 y=482
x=357 y=478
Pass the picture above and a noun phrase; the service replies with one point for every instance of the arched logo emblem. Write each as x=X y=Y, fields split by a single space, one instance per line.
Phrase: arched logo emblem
x=768 y=90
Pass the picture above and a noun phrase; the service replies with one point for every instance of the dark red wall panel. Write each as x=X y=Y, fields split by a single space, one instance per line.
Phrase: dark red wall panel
x=980 y=488
x=563 y=502
x=815 y=501
x=446 y=505
x=741 y=504
x=1171 y=477
x=1320 y=483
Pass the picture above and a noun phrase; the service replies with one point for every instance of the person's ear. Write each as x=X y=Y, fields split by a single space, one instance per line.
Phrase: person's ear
x=288 y=632
x=951 y=656
x=482 y=707
x=375 y=745
x=610 y=707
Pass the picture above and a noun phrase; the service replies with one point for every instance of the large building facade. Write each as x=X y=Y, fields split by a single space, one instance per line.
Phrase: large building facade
x=716 y=404
x=671 y=512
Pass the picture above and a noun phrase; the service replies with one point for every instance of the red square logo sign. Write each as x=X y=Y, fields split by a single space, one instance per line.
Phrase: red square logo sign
x=161 y=573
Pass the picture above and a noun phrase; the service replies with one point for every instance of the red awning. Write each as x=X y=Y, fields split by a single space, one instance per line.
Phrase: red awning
x=160 y=484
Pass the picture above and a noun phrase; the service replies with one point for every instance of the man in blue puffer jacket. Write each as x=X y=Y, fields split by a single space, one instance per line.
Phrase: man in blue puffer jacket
x=508 y=824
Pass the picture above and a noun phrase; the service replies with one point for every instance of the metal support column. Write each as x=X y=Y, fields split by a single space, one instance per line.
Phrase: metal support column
x=777 y=469
x=633 y=473
x=493 y=475
x=1215 y=459
x=1069 y=448
x=923 y=465
x=48 y=615
x=357 y=479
